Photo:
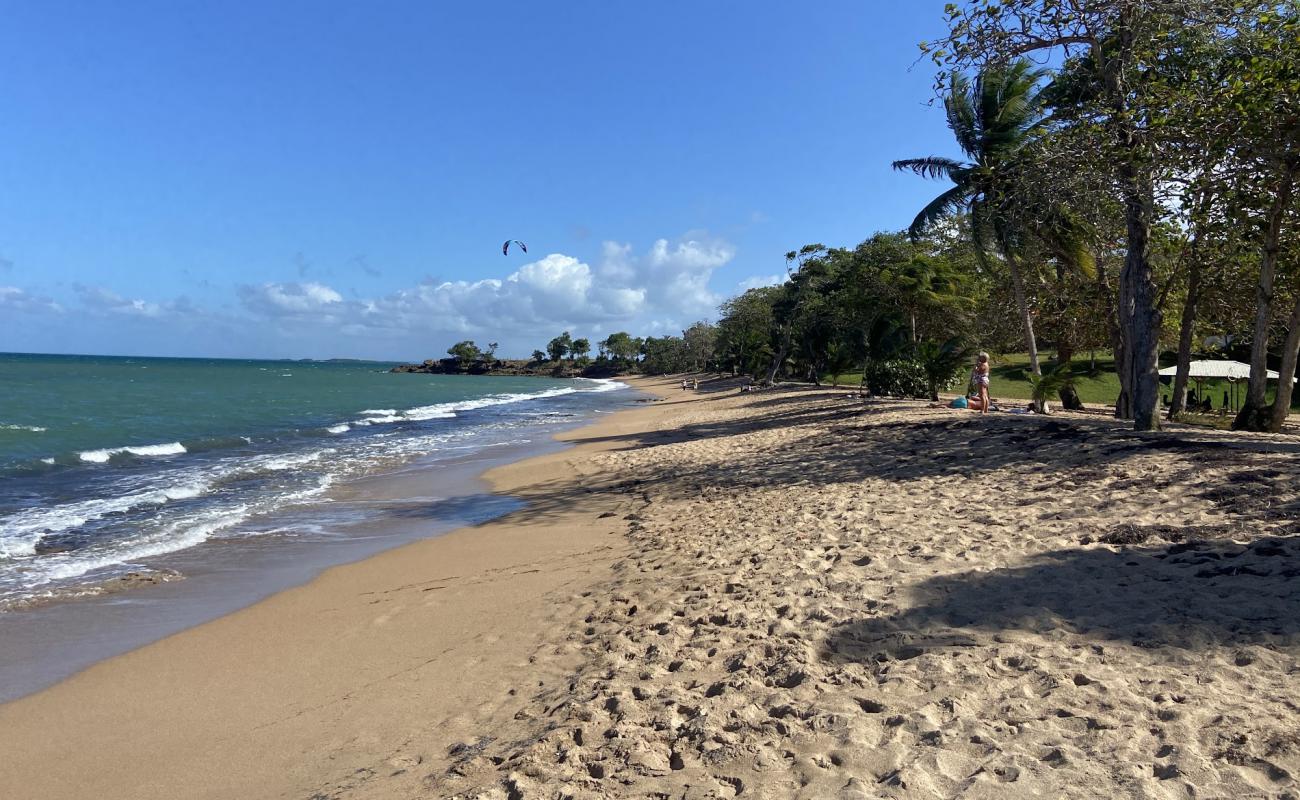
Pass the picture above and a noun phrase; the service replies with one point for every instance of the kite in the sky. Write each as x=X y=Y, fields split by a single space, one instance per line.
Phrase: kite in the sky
x=505 y=248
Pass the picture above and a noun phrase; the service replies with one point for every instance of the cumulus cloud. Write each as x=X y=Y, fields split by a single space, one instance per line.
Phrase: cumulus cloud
x=553 y=292
x=656 y=290
x=101 y=300
x=673 y=277
x=14 y=299
x=276 y=299
x=759 y=281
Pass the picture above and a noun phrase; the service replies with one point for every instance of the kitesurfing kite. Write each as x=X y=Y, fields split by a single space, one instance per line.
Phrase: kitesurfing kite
x=505 y=248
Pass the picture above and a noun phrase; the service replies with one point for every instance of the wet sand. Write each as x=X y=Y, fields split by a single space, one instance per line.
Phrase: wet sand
x=783 y=594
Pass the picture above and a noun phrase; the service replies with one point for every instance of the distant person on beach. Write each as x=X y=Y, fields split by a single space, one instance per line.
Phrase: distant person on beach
x=695 y=384
x=980 y=377
x=684 y=384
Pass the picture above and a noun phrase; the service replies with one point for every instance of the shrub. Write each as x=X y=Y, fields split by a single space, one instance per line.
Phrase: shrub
x=896 y=377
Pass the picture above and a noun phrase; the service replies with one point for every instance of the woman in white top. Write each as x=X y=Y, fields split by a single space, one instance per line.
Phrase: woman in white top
x=980 y=377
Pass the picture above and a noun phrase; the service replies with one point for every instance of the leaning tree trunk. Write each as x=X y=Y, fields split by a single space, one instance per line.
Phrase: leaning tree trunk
x=1255 y=415
x=1022 y=305
x=778 y=359
x=1286 y=372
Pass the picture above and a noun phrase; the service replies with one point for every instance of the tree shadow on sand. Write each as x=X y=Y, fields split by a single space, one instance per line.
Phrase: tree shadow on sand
x=1190 y=594
x=849 y=443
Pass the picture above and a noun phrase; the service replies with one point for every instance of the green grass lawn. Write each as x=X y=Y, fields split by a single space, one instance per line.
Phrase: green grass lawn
x=1009 y=380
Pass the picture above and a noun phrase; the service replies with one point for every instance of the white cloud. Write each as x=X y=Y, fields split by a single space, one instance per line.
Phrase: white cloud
x=552 y=293
x=14 y=299
x=759 y=281
x=289 y=298
x=674 y=278
x=658 y=290
x=102 y=300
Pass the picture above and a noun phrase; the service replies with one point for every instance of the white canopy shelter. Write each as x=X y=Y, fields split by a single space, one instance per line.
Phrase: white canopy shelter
x=1232 y=370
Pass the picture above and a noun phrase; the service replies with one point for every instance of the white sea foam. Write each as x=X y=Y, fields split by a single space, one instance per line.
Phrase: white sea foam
x=605 y=385
x=276 y=463
x=381 y=416
x=29 y=428
x=183 y=526
x=440 y=411
x=180 y=534
x=379 y=420
x=175 y=536
x=102 y=456
x=20 y=533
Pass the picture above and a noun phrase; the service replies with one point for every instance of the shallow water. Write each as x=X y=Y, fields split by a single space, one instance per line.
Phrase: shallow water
x=109 y=464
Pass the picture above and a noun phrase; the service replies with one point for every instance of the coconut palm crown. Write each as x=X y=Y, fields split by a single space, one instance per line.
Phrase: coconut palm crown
x=992 y=118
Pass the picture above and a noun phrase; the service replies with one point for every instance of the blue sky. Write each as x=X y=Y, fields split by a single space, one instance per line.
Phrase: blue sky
x=318 y=179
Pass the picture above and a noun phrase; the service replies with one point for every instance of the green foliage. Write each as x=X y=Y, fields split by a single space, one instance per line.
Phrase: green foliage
x=579 y=349
x=663 y=355
x=621 y=346
x=942 y=363
x=698 y=344
x=560 y=346
x=465 y=352
x=1048 y=385
x=896 y=377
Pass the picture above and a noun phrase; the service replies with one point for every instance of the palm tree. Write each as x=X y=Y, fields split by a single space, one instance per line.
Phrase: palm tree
x=924 y=282
x=992 y=118
x=942 y=363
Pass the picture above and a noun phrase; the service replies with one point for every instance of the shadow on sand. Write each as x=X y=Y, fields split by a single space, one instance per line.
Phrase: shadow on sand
x=1168 y=585
x=1190 y=594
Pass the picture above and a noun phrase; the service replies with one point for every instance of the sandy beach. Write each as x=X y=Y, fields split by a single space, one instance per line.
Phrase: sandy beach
x=790 y=593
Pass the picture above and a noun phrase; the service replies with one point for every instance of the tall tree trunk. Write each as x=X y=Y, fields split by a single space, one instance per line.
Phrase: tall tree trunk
x=778 y=358
x=1139 y=313
x=1185 y=328
x=1286 y=372
x=1123 y=408
x=1255 y=415
x=1187 y=325
x=1022 y=305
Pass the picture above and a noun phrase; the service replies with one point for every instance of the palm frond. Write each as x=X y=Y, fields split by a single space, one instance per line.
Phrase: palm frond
x=982 y=232
x=1067 y=237
x=931 y=167
x=942 y=206
x=962 y=119
x=1050 y=384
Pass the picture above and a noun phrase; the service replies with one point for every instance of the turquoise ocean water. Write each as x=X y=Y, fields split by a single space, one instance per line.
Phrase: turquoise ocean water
x=107 y=462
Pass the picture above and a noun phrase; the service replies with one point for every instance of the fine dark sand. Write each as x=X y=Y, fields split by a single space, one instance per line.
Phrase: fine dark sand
x=783 y=594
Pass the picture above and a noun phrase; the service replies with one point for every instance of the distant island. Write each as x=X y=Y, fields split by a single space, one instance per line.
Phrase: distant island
x=566 y=357
x=503 y=366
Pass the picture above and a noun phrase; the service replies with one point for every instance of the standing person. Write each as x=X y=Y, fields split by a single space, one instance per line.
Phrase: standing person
x=980 y=377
